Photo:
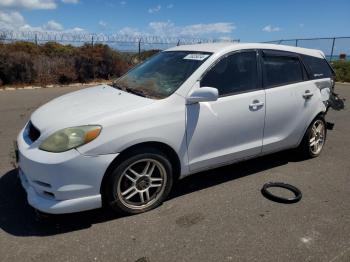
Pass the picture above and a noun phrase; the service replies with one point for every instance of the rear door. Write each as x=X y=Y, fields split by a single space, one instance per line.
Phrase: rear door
x=320 y=73
x=291 y=99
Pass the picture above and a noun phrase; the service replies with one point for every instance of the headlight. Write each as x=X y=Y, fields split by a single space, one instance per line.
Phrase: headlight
x=68 y=138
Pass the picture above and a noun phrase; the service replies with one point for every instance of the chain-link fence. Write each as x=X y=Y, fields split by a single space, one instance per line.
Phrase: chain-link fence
x=124 y=43
x=334 y=47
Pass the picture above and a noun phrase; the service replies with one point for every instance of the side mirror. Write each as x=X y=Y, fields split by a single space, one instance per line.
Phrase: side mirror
x=203 y=94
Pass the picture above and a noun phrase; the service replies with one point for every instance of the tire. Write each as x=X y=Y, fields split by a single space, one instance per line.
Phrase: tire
x=308 y=148
x=140 y=171
x=266 y=193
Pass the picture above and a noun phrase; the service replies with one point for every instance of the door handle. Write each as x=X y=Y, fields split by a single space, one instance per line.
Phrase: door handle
x=307 y=94
x=256 y=104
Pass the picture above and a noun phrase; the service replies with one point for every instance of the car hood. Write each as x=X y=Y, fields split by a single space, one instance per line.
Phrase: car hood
x=86 y=106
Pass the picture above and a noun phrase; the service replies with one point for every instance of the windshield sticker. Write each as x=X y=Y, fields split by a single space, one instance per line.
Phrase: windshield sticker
x=198 y=57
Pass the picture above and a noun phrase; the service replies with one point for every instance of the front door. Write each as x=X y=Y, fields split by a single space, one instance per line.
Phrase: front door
x=230 y=128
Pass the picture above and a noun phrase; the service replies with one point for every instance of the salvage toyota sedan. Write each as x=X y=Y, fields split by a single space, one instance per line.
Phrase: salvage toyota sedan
x=184 y=110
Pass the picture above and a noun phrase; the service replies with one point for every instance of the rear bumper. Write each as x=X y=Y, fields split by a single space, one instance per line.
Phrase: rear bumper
x=58 y=183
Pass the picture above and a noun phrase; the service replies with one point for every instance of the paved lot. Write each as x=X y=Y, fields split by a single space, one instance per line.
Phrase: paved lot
x=213 y=216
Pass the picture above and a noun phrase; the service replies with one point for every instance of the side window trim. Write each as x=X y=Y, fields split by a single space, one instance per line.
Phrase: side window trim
x=259 y=76
x=308 y=69
x=306 y=73
x=279 y=53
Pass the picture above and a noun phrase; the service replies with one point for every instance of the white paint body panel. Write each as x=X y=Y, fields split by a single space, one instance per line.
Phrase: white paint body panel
x=288 y=114
x=204 y=135
x=225 y=130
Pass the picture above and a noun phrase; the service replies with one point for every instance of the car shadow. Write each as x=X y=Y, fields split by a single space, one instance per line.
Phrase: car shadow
x=19 y=219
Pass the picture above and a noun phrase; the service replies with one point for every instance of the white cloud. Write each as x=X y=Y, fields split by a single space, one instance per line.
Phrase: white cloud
x=208 y=28
x=169 y=6
x=225 y=38
x=52 y=26
x=170 y=29
x=75 y=30
x=70 y=1
x=27 y=27
x=102 y=24
x=28 y=4
x=11 y=20
x=270 y=28
x=162 y=28
x=154 y=9
x=130 y=31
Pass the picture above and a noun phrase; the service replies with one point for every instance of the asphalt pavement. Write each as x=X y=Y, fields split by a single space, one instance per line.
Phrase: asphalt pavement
x=218 y=215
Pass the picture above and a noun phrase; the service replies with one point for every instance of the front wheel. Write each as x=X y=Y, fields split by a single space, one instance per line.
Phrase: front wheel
x=141 y=182
x=314 y=138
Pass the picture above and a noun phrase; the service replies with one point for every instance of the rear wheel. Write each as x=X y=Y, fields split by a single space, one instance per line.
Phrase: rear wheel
x=314 y=138
x=141 y=182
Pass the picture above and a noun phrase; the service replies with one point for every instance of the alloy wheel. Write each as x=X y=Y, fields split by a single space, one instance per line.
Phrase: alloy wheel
x=141 y=184
x=317 y=137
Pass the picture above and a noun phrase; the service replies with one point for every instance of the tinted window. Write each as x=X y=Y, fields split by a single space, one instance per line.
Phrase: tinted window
x=281 y=70
x=233 y=74
x=318 y=67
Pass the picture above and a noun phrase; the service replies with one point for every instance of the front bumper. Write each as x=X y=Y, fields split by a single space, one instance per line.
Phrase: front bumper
x=51 y=206
x=58 y=183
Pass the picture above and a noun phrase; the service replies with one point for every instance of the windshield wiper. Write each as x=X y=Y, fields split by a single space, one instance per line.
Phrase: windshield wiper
x=130 y=90
x=135 y=92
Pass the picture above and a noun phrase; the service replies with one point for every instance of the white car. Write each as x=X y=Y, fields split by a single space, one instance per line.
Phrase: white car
x=184 y=110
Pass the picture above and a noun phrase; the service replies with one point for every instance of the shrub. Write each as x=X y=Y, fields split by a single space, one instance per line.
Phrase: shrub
x=16 y=67
x=50 y=63
x=342 y=70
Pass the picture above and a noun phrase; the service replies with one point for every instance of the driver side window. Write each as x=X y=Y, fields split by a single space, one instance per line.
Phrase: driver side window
x=236 y=73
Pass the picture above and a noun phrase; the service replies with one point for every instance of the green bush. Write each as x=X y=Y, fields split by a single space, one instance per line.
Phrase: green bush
x=342 y=70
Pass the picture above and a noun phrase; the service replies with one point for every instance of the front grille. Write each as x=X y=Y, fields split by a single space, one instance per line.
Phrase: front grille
x=33 y=132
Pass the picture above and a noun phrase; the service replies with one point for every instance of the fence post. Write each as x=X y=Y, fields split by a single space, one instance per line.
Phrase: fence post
x=140 y=48
x=178 y=43
x=92 y=40
x=330 y=59
x=296 y=42
x=36 y=39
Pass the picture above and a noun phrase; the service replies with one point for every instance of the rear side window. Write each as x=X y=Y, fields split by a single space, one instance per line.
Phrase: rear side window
x=281 y=70
x=235 y=73
x=317 y=67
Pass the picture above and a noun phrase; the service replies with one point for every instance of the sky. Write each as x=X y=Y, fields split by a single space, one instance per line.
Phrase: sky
x=248 y=20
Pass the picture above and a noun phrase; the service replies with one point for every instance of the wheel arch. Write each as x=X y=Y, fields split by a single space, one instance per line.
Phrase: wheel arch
x=163 y=147
x=319 y=114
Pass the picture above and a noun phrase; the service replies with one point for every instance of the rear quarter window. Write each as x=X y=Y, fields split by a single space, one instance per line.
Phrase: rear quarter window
x=318 y=67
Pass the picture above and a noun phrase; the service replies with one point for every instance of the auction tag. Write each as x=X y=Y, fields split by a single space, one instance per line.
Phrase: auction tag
x=198 y=57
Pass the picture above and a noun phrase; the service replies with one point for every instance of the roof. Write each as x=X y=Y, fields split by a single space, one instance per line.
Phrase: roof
x=227 y=47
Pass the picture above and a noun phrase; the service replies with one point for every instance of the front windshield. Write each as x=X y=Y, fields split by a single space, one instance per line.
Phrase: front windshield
x=162 y=74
